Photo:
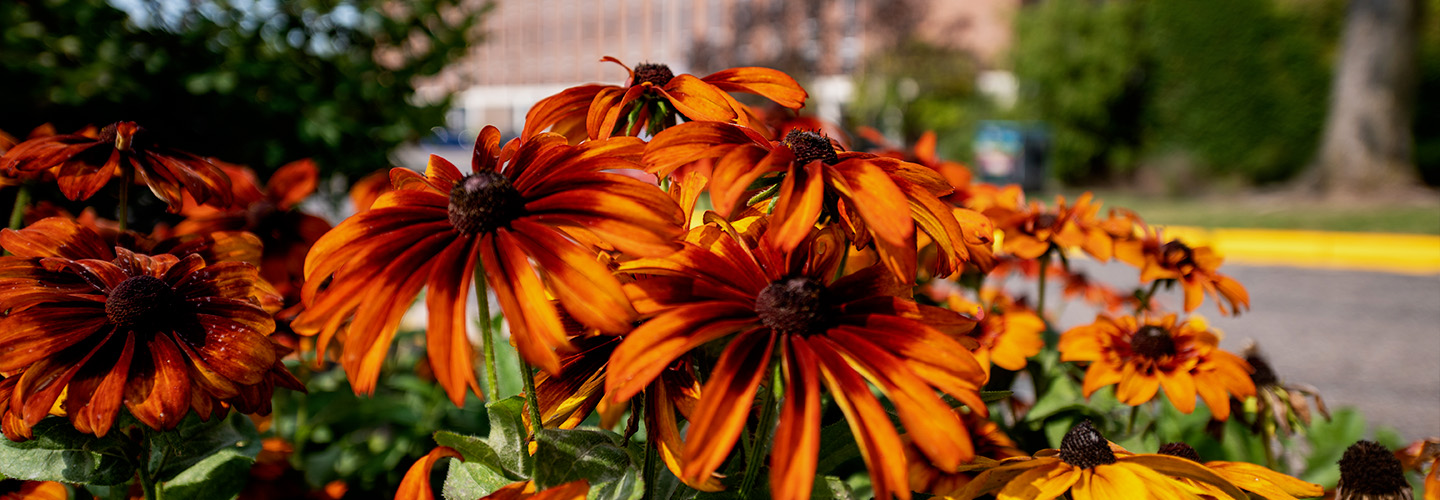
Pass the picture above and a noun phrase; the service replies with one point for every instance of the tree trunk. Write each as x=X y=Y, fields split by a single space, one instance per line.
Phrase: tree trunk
x=1368 y=147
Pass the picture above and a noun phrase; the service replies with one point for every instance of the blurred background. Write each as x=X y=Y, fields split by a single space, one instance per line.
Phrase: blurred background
x=1159 y=98
x=1281 y=115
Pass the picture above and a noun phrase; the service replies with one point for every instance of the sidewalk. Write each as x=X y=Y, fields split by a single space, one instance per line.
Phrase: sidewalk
x=1386 y=252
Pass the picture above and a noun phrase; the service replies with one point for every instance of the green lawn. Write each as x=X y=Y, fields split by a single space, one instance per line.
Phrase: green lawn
x=1259 y=212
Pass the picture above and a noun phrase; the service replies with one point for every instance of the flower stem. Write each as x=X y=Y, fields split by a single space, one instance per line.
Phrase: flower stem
x=532 y=401
x=17 y=214
x=762 y=435
x=1040 y=301
x=650 y=470
x=486 y=332
x=142 y=466
x=1144 y=303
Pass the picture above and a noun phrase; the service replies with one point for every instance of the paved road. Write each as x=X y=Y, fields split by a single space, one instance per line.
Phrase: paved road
x=1370 y=340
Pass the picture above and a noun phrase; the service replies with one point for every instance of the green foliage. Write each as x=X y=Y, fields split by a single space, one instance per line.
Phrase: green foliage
x=595 y=455
x=205 y=459
x=1242 y=84
x=329 y=80
x=1082 y=71
x=60 y=453
x=1239 y=86
x=1427 y=97
x=484 y=468
x=369 y=441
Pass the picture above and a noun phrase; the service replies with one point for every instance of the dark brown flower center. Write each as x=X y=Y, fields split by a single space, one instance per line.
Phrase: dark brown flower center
x=1368 y=468
x=790 y=305
x=1153 y=342
x=1177 y=254
x=1181 y=450
x=1264 y=376
x=1084 y=447
x=1046 y=220
x=809 y=146
x=483 y=202
x=142 y=302
x=652 y=73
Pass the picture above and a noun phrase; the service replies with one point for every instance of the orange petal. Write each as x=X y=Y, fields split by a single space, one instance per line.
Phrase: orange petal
x=880 y=445
x=651 y=347
x=798 y=207
x=725 y=402
x=158 y=392
x=699 y=100
x=586 y=289
x=797 y=439
x=446 y=343
x=768 y=83
x=292 y=183
x=416 y=483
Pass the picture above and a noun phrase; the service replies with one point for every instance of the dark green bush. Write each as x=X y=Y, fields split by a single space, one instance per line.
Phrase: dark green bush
x=254 y=86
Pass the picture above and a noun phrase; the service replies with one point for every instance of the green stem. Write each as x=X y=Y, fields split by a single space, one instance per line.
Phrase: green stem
x=486 y=332
x=532 y=401
x=1144 y=303
x=768 y=192
x=127 y=177
x=650 y=470
x=148 y=484
x=17 y=214
x=762 y=436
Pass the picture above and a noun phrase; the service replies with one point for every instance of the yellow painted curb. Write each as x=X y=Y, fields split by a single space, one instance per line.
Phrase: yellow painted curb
x=1397 y=253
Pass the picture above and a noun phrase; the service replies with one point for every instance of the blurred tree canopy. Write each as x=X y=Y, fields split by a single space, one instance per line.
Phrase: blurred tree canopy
x=1083 y=70
x=1240 y=87
x=250 y=82
x=917 y=87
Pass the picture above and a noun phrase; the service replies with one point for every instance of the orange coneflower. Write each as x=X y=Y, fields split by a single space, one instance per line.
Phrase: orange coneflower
x=841 y=333
x=1086 y=466
x=519 y=213
x=1194 y=267
x=161 y=333
x=873 y=198
x=1143 y=356
x=87 y=164
x=1033 y=231
x=1008 y=334
x=652 y=93
x=1253 y=478
x=287 y=233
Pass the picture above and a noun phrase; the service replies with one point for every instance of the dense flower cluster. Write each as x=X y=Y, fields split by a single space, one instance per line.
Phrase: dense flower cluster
x=723 y=274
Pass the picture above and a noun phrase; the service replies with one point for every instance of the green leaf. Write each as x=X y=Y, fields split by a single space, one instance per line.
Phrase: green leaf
x=508 y=436
x=590 y=454
x=837 y=446
x=469 y=480
x=205 y=459
x=831 y=488
x=474 y=449
x=628 y=487
x=175 y=452
x=60 y=453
